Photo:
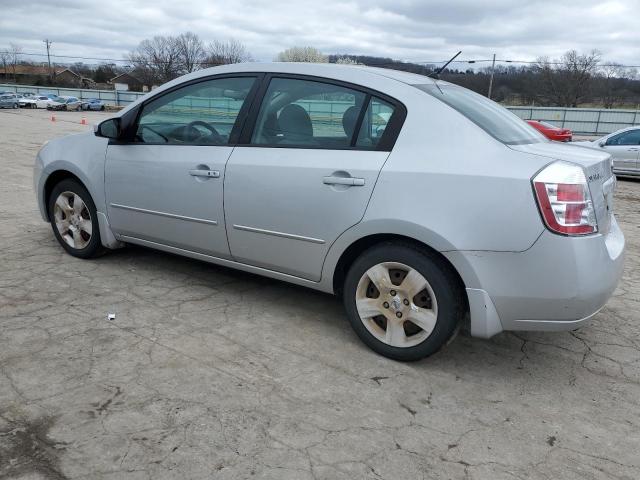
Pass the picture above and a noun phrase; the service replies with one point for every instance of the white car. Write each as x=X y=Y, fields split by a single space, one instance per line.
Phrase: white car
x=42 y=101
x=624 y=147
x=26 y=102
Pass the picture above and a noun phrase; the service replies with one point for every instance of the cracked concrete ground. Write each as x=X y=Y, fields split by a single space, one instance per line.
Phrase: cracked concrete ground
x=211 y=373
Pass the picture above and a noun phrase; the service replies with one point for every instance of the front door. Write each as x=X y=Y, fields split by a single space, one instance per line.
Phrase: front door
x=165 y=185
x=625 y=150
x=313 y=160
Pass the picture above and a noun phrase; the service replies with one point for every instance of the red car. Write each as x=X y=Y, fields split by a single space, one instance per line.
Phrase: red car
x=551 y=131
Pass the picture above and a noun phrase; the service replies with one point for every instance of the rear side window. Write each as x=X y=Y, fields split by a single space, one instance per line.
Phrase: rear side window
x=494 y=119
x=375 y=122
x=307 y=113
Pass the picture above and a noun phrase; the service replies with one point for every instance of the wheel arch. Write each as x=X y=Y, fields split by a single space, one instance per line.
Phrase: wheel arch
x=357 y=247
x=52 y=180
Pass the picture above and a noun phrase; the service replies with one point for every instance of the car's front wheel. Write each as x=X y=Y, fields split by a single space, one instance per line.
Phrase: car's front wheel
x=74 y=219
x=15 y=105
x=404 y=302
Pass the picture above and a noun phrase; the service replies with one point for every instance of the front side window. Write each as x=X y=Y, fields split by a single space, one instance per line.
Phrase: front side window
x=307 y=113
x=494 y=119
x=203 y=113
x=631 y=137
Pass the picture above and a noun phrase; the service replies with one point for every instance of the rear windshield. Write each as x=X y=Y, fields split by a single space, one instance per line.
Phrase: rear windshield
x=497 y=121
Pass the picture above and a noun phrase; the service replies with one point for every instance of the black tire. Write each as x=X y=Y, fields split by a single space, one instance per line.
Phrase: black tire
x=15 y=105
x=448 y=292
x=102 y=108
x=94 y=248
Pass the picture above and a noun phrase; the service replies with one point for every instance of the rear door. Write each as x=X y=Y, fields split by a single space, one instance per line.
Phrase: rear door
x=306 y=171
x=625 y=150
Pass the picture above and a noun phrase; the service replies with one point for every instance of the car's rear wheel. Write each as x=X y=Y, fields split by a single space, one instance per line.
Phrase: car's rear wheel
x=402 y=301
x=74 y=219
x=15 y=105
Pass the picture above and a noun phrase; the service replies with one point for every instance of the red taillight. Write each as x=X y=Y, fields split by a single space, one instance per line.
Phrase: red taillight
x=564 y=199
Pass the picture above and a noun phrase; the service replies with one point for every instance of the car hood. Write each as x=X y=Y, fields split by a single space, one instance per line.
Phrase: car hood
x=585 y=143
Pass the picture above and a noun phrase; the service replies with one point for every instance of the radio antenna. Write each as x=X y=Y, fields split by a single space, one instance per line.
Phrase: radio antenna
x=437 y=73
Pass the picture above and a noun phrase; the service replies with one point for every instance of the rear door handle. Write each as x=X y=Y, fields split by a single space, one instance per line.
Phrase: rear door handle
x=352 y=181
x=205 y=173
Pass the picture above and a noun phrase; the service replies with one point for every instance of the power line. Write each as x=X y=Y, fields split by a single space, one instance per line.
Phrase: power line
x=421 y=62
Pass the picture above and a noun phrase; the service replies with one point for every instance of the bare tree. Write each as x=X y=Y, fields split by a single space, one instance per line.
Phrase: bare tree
x=14 y=55
x=5 y=59
x=226 y=52
x=156 y=60
x=191 y=51
x=302 y=54
x=567 y=81
x=345 y=60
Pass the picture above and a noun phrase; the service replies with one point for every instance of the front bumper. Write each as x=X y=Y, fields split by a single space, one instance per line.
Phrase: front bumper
x=559 y=283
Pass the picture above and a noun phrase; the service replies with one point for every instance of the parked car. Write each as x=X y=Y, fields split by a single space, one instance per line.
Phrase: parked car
x=450 y=206
x=9 y=100
x=65 y=103
x=26 y=102
x=623 y=146
x=93 y=104
x=42 y=101
x=551 y=131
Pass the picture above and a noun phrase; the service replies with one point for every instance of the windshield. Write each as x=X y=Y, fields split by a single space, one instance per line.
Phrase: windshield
x=494 y=119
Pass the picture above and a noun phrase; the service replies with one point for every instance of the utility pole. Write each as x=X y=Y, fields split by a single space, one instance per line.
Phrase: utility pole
x=493 y=68
x=47 y=42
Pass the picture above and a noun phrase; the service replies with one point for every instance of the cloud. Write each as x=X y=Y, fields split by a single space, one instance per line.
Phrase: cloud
x=415 y=30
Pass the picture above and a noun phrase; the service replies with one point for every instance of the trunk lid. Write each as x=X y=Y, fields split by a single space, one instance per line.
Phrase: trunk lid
x=597 y=167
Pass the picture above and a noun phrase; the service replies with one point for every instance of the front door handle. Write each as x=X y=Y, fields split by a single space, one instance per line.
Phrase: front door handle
x=205 y=173
x=351 y=181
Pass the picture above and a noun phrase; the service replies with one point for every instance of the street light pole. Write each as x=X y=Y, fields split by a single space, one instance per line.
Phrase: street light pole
x=493 y=68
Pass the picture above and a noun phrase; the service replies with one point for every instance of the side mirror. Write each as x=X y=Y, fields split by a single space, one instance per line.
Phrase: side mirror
x=602 y=143
x=108 y=129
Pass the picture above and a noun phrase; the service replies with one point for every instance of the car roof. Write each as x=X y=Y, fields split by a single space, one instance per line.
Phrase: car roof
x=327 y=70
x=357 y=74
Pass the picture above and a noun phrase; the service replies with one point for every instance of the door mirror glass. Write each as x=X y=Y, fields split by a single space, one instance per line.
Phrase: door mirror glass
x=602 y=143
x=108 y=129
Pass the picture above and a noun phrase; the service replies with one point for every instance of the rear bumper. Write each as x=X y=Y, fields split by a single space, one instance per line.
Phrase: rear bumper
x=557 y=284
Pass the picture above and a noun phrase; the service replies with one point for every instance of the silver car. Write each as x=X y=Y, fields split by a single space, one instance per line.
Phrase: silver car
x=417 y=201
x=9 y=100
x=624 y=147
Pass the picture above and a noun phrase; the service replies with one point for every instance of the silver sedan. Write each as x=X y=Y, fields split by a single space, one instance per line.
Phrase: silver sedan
x=624 y=147
x=418 y=202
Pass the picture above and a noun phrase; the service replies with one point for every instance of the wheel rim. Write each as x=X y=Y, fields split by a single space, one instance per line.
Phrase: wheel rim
x=73 y=220
x=396 y=304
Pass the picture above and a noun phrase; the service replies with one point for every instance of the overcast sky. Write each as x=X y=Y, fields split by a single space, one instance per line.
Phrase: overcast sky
x=413 y=30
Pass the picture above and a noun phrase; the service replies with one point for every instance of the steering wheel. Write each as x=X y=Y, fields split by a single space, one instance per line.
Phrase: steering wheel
x=191 y=127
x=142 y=127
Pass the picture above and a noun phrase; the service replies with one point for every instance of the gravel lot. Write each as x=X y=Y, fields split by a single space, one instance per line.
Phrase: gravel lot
x=211 y=373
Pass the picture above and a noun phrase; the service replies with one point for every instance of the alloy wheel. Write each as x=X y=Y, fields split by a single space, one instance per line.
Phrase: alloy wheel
x=396 y=304
x=73 y=220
